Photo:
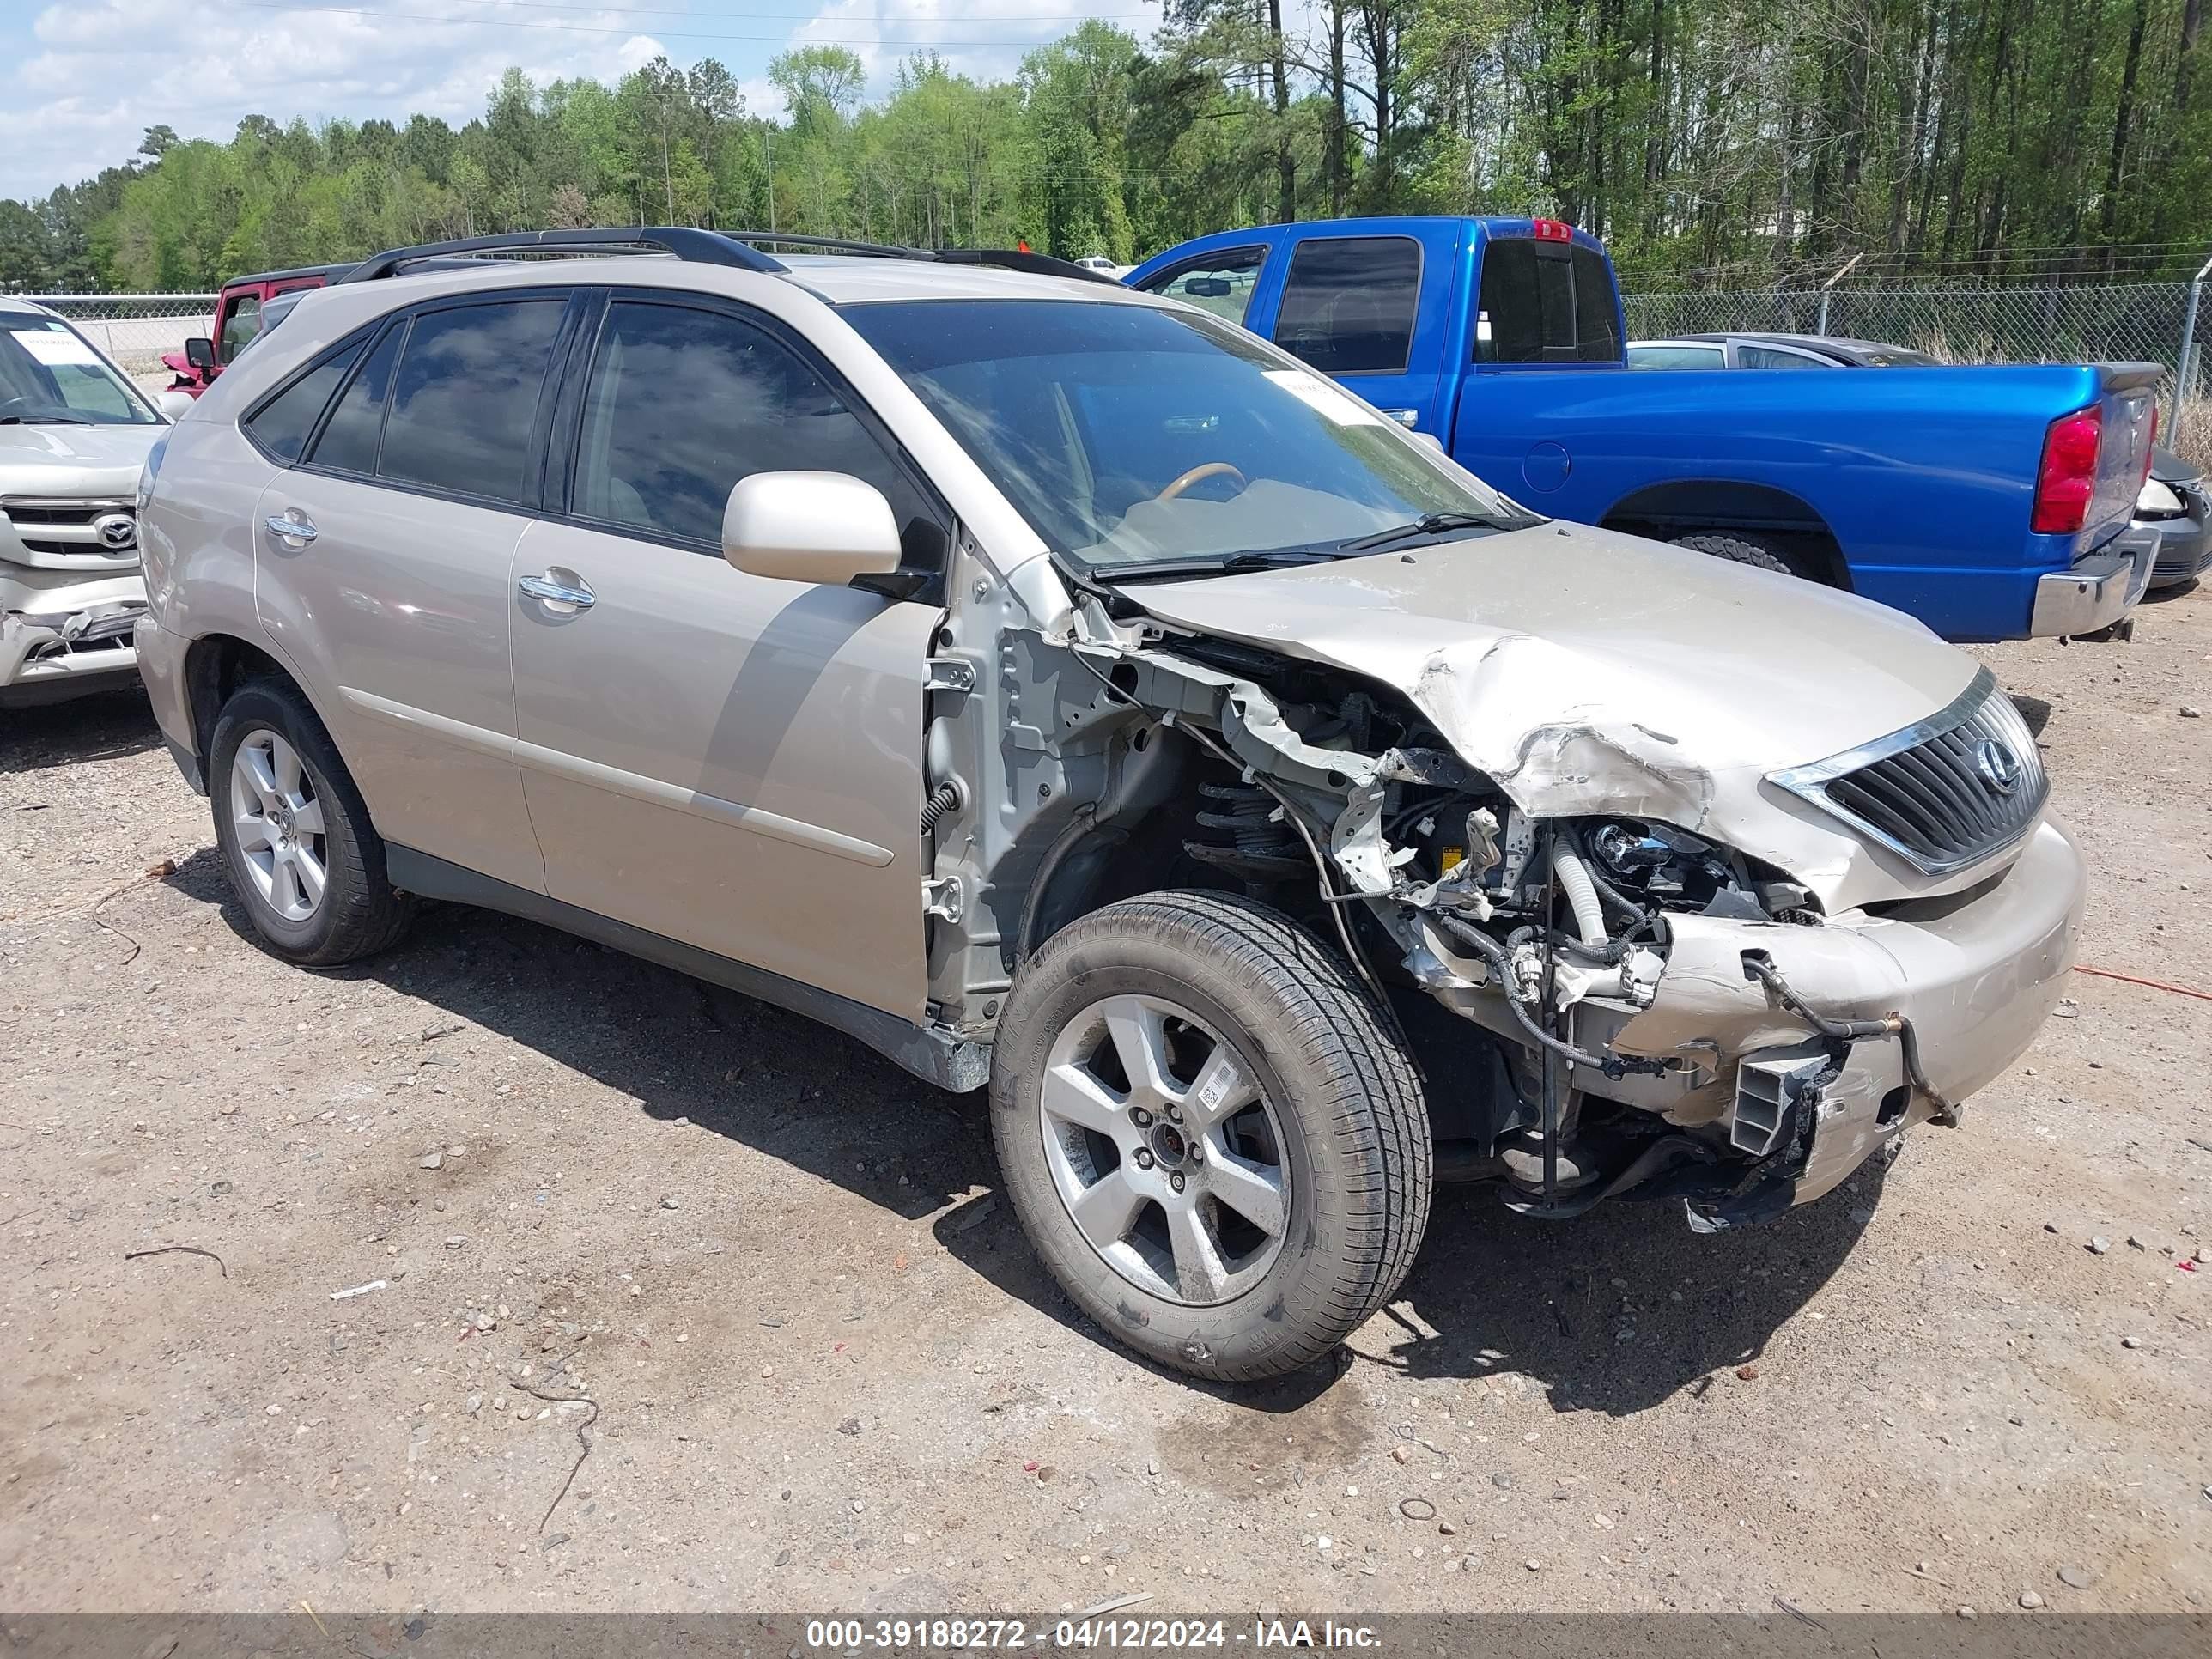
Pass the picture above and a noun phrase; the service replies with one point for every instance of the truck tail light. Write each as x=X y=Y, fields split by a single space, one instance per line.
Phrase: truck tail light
x=1554 y=230
x=2068 y=476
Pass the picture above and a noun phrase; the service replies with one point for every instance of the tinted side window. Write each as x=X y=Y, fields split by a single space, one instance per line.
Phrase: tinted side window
x=1752 y=356
x=1220 y=283
x=465 y=397
x=281 y=426
x=1544 y=302
x=1348 y=305
x=349 y=437
x=682 y=404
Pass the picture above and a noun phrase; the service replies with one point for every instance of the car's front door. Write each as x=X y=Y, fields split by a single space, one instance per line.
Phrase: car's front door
x=385 y=548
x=720 y=758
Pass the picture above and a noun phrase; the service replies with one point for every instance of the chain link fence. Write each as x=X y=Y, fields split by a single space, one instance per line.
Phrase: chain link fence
x=1976 y=322
x=1958 y=321
x=134 y=329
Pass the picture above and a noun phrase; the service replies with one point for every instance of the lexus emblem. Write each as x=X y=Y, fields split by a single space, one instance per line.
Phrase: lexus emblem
x=118 y=531
x=1999 y=769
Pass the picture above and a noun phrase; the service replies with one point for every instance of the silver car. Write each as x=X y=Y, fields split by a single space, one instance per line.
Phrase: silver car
x=1064 y=691
x=75 y=434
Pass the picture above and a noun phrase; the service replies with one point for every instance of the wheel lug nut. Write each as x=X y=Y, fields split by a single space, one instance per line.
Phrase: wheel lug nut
x=1176 y=1181
x=1143 y=1159
x=1174 y=1114
x=1140 y=1117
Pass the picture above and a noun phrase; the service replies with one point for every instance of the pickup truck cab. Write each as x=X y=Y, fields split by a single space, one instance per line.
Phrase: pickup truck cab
x=237 y=319
x=1992 y=502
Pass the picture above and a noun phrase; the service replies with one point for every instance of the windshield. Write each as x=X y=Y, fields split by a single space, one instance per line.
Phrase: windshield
x=50 y=375
x=1131 y=435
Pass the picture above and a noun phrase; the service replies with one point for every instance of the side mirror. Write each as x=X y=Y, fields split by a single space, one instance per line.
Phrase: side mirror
x=821 y=527
x=174 y=405
x=200 y=353
x=1430 y=440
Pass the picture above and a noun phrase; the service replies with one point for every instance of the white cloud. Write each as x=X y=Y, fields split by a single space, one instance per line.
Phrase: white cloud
x=988 y=40
x=112 y=68
x=88 y=76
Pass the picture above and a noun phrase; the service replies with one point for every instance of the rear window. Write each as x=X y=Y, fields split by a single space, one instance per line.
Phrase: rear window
x=1348 y=304
x=281 y=426
x=1546 y=302
x=1676 y=357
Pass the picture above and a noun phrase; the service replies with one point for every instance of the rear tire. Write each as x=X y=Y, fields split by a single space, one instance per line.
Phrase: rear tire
x=1742 y=549
x=302 y=856
x=1265 y=1190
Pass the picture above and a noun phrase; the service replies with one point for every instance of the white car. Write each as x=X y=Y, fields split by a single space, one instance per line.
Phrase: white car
x=75 y=434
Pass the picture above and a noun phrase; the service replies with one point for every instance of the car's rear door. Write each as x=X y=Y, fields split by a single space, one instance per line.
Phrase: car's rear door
x=719 y=758
x=384 y=557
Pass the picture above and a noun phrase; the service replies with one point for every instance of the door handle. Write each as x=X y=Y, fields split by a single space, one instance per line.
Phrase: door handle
x=551 y=589
x=291 y=527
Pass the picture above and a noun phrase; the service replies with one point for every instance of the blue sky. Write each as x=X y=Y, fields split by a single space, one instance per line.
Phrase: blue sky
x=87 y=77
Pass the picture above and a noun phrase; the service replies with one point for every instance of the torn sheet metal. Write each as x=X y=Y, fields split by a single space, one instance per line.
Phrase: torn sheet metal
x=1551 y=660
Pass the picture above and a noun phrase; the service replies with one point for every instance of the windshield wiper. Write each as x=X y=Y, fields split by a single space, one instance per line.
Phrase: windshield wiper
x=42 y=419
x=1267 y=558
x=1428 y=525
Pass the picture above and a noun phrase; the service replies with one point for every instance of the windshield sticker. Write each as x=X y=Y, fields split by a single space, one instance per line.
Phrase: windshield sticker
x=57 y=346
x=1340 y=407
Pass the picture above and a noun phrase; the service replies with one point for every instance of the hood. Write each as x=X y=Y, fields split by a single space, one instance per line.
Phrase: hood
x=1586 y=670
x=74 y=460
x=2167 y=467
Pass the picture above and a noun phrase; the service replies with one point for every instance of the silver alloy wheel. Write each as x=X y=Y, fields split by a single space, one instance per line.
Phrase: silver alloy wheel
x=1168 y=1156
x=279 y=823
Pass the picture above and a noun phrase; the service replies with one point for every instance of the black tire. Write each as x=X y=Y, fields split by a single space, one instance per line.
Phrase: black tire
x=1356 y=1165
x=1742 y=550
x=360 y=913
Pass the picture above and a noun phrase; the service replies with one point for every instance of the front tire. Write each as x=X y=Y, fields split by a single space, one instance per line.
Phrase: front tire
x=295 y=833
x=1211 y=1134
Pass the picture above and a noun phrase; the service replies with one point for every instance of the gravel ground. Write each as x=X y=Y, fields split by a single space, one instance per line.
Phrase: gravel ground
x=765 y=1274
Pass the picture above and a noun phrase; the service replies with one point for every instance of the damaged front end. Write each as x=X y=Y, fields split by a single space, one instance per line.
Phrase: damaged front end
x=1609 y=994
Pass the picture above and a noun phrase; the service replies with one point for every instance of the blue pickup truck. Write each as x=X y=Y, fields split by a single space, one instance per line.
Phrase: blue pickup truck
x=1993 y=503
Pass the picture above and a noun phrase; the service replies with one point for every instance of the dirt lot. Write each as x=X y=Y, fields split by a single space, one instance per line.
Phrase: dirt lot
x=824 y=1372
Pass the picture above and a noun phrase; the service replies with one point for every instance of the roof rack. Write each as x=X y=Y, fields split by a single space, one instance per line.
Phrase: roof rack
x=1004 y=258
x=737 y=248
x=686 y=242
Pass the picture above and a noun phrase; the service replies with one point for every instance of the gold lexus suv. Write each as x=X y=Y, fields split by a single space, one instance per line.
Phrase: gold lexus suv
x=1060 y=690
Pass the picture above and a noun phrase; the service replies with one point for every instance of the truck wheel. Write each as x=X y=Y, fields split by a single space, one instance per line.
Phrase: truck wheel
x=294 y=832
x=1210 y=1134
x=1740 y=550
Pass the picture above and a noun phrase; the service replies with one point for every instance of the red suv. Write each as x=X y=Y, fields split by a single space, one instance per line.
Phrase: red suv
x=237 y=320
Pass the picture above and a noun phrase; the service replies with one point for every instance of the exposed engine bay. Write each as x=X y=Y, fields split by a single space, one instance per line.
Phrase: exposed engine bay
x=1602 y=1003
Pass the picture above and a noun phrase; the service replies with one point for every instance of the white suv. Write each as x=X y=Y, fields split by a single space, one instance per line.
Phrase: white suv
x=1055 y=686
x=75 y=434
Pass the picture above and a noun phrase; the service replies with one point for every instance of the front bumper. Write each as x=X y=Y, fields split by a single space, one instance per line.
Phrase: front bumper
x=2098 y=589
x=1976 y=973
x=2184 y=541
x=56 y=652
